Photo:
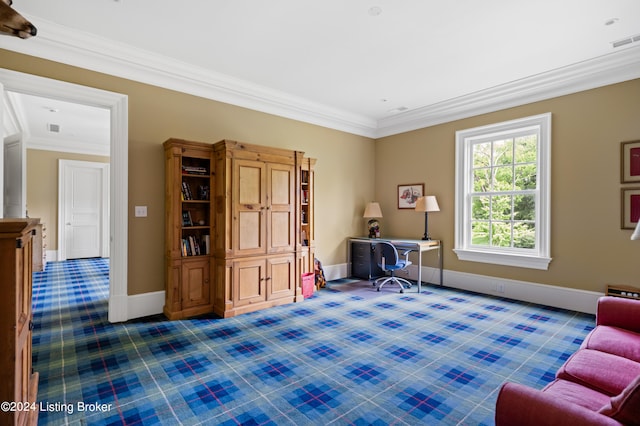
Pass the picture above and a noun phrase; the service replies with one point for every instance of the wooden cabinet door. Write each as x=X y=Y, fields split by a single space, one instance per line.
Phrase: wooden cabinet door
x=195 y=283
x=280 y=208
x=249 y=281
x=24 y=323
x=280 y=277
x=249 y=218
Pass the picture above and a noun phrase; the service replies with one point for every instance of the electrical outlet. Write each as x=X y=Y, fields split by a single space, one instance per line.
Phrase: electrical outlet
x=500 y=287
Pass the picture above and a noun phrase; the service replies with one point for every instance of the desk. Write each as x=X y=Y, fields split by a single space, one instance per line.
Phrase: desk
x=419 y=246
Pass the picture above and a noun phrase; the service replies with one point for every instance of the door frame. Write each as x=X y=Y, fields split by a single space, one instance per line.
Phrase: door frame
x=15 y=139
x=64 y=167
x=118 y=105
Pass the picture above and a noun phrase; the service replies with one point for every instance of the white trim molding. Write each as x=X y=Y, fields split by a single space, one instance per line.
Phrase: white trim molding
x=537 y=257
x=524 y=291
x=69 y=46
x=119 y=184
x=145 y=304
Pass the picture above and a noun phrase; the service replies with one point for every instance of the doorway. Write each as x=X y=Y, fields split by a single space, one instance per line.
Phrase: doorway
x=117 y=104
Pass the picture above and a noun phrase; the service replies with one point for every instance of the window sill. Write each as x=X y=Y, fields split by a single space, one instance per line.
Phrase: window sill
x=506 y=259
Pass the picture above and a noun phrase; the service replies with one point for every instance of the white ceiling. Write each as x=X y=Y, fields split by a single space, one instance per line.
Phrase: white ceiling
x=370 y=67
x=56 y=125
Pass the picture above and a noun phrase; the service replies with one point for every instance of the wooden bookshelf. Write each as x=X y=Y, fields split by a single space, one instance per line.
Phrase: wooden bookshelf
x=189 y=226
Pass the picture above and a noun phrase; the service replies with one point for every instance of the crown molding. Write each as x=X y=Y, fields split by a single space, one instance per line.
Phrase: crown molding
x=72 y=47
x=608 y=69
x=62 y=44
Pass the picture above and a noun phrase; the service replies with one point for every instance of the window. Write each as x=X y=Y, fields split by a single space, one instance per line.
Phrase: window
x=503 y=192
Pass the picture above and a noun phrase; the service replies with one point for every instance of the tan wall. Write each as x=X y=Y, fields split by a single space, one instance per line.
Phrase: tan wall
x=588 y=247
x=344 y=173
x=42 y=187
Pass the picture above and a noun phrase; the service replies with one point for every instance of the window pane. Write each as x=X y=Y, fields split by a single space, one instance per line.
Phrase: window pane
x=482 y=154
x=480 y=233
x=480 y=208
x=526 y=149
x=525 y=177
x=501 y=234
x=524 y=207
x=503 y=152
x=501 y=207
x=503 y=178
x=481 y=180
x=524 y=235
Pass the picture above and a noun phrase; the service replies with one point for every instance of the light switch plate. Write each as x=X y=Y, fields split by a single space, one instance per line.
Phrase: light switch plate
x=141 y=211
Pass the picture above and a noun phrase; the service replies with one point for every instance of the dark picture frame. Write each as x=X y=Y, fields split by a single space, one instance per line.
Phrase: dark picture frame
x=630 y=162
x=630 y=198
x=408 y=194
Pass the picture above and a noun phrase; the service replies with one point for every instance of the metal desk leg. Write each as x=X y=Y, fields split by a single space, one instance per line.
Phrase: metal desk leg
x=419 y=271
x=440 y=256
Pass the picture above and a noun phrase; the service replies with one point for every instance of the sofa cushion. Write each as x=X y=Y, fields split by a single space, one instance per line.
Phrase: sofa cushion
x=619 y=312
x=606 y=373
x=614 y=340
x=577 y=394
x=625 y=407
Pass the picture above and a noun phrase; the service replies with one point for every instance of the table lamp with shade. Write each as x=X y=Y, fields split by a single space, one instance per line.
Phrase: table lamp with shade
x=427 y=204
x=373 y=212
x=636 y=233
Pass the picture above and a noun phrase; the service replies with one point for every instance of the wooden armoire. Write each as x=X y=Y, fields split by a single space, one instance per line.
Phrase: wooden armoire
x=18 y=382
x=260 y=221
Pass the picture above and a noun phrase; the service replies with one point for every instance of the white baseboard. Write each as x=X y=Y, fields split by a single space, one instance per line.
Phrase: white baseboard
x=334 y=272
x=142 y=305
x=145 y=304
x=52 y=255
x=544 y=294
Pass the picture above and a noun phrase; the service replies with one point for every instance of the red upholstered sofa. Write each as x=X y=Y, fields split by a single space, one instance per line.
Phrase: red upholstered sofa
x=598 y=385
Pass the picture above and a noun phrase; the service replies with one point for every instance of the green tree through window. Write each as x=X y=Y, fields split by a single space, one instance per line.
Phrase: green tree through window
x=503 y=196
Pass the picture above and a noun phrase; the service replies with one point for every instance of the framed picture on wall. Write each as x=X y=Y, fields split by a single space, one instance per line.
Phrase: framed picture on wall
x=408 y=194
x=630 y=162
x=630 y=207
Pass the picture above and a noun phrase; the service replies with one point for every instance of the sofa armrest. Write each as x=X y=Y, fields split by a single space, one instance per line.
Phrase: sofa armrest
x=619 y=312
x=520 y=405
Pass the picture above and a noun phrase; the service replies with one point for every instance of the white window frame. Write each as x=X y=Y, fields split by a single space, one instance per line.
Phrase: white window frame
x=538 y=258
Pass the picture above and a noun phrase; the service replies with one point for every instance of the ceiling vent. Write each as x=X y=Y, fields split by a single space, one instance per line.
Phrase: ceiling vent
x=53 y=128
x=627 y=40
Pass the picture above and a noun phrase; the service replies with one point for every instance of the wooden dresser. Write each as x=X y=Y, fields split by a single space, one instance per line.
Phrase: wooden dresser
x=18 y=382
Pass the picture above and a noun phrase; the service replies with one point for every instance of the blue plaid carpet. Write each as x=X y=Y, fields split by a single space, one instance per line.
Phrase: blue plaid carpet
x=348 y=355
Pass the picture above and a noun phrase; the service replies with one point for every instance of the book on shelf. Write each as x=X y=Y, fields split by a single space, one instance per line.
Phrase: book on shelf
x=207 y=244
x=194 y=246
x=186 y=218
x=186 y=191
x=195 y=170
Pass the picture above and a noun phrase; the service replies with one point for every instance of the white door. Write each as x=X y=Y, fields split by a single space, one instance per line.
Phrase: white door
x=15 y=184
x=83 y=204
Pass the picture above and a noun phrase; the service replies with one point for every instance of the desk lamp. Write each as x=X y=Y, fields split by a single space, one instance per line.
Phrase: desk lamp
x=427 y=204
x=636 y=233
x=373 y=212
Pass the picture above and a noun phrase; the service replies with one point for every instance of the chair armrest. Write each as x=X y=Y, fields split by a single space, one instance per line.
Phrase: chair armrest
x=619 y=312
x=520 y=405
x=406 y=254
